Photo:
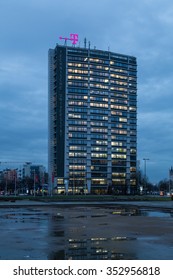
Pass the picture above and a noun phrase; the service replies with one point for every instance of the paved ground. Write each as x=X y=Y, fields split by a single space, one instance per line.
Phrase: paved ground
x=21 y=203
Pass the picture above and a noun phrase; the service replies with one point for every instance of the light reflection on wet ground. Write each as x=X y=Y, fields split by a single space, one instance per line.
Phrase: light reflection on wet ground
x=85 y=232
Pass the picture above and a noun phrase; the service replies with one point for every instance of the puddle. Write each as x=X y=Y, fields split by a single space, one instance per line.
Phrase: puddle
x=158 y=214
x=86 y=233
x=142 y=212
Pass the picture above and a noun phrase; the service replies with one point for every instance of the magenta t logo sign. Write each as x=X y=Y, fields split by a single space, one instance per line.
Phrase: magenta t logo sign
x=73 y=38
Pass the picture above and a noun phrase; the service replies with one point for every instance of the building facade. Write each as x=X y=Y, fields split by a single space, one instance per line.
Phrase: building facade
x=92 y=121
x=35 y=172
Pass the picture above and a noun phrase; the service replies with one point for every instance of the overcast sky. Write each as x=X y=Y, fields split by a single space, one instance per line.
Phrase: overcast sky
x=142 y=28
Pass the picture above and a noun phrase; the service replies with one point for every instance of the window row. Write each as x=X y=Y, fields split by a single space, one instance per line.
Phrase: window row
x=77 y=167
x=115 y=82
x=74 y=122
x=75 y=174
x=121 y=101
x=78 y=65
x=118 y=107
x=99 y=149
x=101 y=80
x=115 y=174
x=77 y=84
x=118 y=181
x=81 y=148
x=80 y=154
x=99 y=182
x=99 y=117
x=101 y=105
x=119 y=131
x=77 y=128
x=73 y=77
x=77 y=96
x=100 y=67
x=101 y=86
x=119 y=125
x=96 y=73
x=99 y=155
x=119 y=150
x=77 y=116
x=99 y=123
x=99 y=130
x=102 y=136
x=77 y=103
x=118 y=89
x=77 y=142
x=99 y=99
x=77 y=71
x=77 y=90
x=99 y=142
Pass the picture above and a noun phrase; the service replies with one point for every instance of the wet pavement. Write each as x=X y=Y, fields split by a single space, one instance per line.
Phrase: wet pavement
x=136 y=230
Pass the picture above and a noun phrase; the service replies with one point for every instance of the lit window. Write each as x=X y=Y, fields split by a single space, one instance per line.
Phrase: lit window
x=74 y=116
x=122 y=119
x=101 y=142
x=101 y=105
x=123 y=175
x=116 y=143
x=60 y=181
x=133 y=169
x=77 y=167
x=118 y=156
x=99 y=181
x=132 y=108
x=118 y=107
x=98 y=155
x=119 y=150
x=99 y=149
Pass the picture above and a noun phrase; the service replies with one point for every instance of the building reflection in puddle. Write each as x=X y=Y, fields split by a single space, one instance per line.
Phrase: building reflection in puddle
x=94 y=235
x=132 y=211
x=93 y=249
x=127 y=211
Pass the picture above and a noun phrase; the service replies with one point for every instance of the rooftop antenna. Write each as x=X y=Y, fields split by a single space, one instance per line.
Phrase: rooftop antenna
x=89 y=44
x=85 y=41
x=65 y=40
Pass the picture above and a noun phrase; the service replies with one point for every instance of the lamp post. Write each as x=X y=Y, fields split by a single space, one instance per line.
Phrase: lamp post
x=6 y=188
x=15 y=189
x=145 y=171
x=34 y=182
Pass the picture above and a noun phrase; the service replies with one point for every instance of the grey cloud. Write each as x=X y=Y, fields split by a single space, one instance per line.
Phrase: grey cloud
x=140 y=28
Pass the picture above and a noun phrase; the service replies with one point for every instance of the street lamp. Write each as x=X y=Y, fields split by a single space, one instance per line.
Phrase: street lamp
x=34 y=182
x=15 y=179
x=145 y=170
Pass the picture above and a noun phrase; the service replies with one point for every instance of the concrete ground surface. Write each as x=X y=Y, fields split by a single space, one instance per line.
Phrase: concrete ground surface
x=158 y=204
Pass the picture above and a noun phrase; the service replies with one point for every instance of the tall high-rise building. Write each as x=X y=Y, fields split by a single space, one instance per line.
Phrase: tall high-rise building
x=92 y=120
